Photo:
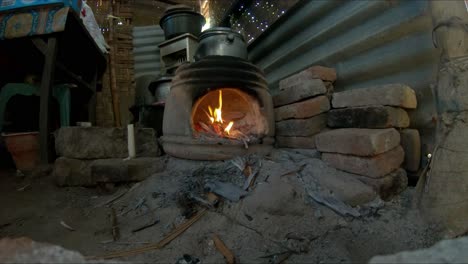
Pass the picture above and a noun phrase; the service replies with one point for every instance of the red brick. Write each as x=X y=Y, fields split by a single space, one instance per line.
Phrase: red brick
x=373 y=167
x=299 y=90
x=391 y=95
x=304 y=109
x=296 y=142
x=358 y=141
x=369 y=117
x=411 y=143
x=301 y=127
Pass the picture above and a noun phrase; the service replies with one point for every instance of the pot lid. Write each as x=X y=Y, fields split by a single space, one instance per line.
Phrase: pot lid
x=177 y=8
x=162 y=79
x=220 y=31
x=180 y=11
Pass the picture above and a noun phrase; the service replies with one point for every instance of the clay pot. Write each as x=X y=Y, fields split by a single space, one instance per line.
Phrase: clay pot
x=24 y=147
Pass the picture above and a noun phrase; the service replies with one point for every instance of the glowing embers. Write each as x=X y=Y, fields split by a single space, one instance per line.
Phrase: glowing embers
x=228 y=113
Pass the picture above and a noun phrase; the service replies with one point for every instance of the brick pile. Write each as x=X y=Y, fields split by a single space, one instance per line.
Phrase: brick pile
x=370 y=136
x=301 y=107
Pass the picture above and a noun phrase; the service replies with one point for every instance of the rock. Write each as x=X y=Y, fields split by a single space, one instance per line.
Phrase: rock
x=25 y=250
x=301 y=127
x=391 y=95
x=344 y=185
x=72 y=172
x=296 y=142
x=103 y=143
x=117 y=170
x=75 y=172
x=298 y=91
x=314 y=72
x=445 y=251
x=369 y=117
x=411 y=143
x=303 y=109
x=374 y=167
x=358 y=141
x=388 y=186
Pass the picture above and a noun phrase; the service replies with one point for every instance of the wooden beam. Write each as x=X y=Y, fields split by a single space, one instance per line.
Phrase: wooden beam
x=92 y=100
x=45 y=92
x=41 y=45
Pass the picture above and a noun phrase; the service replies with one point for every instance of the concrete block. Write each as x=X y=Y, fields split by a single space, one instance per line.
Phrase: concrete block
x=103 y=143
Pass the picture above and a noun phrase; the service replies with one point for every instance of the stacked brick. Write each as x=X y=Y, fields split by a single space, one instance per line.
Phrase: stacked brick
x=369 y=127
x=301 y=107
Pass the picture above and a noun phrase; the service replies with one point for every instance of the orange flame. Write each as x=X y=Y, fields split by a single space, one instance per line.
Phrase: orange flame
x=216 y=115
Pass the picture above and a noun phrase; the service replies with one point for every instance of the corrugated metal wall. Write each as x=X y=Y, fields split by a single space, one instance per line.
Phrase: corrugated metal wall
x=145 y=50
x=368 y=42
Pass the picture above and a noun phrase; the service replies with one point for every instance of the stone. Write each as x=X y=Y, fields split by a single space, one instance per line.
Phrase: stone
x=314 y=72
x=357 y=141
x=132 y=170
x=373 y=167
x=304 y=109
x=103 y=143
x=369 y=117
x=296 y=142
x=443 y=252
x=298 y=91
x=344 y=185
x=411 y=143
x=301 y=127
x=390 y=185
x=25 y=250
x=399 y=95
x=72 y=172
x=75 y=172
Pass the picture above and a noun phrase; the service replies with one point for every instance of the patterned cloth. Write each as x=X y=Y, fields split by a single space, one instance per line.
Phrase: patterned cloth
x=31 y=22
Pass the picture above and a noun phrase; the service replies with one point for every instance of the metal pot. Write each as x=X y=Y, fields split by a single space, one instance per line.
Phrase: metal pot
x=160 y=89
x=221 y=41
x=179 y=20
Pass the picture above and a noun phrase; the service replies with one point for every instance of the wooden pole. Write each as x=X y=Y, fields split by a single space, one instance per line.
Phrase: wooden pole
x=112 y=75
x=44 y=110
x=92 y=100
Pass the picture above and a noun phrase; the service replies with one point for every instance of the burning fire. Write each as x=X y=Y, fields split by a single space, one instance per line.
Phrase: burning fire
x=216 y=117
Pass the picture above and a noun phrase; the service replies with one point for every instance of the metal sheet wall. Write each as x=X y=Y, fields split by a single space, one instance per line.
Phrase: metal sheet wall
x=145 y=50
x=368 y=42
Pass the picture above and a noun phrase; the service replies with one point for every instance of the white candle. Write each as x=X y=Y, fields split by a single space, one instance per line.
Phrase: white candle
x=131 y=141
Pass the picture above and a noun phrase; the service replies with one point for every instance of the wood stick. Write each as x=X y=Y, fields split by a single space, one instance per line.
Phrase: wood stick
x=166 y=240
x=115 y=225
x=224 y=250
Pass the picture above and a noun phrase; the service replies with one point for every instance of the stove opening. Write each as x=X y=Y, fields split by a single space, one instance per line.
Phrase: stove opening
x=228 y=113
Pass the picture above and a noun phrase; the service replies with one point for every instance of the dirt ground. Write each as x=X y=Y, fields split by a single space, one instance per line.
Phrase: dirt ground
x=276 y=216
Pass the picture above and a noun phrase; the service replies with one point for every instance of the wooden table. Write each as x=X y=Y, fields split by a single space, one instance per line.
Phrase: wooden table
x=50 y=41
